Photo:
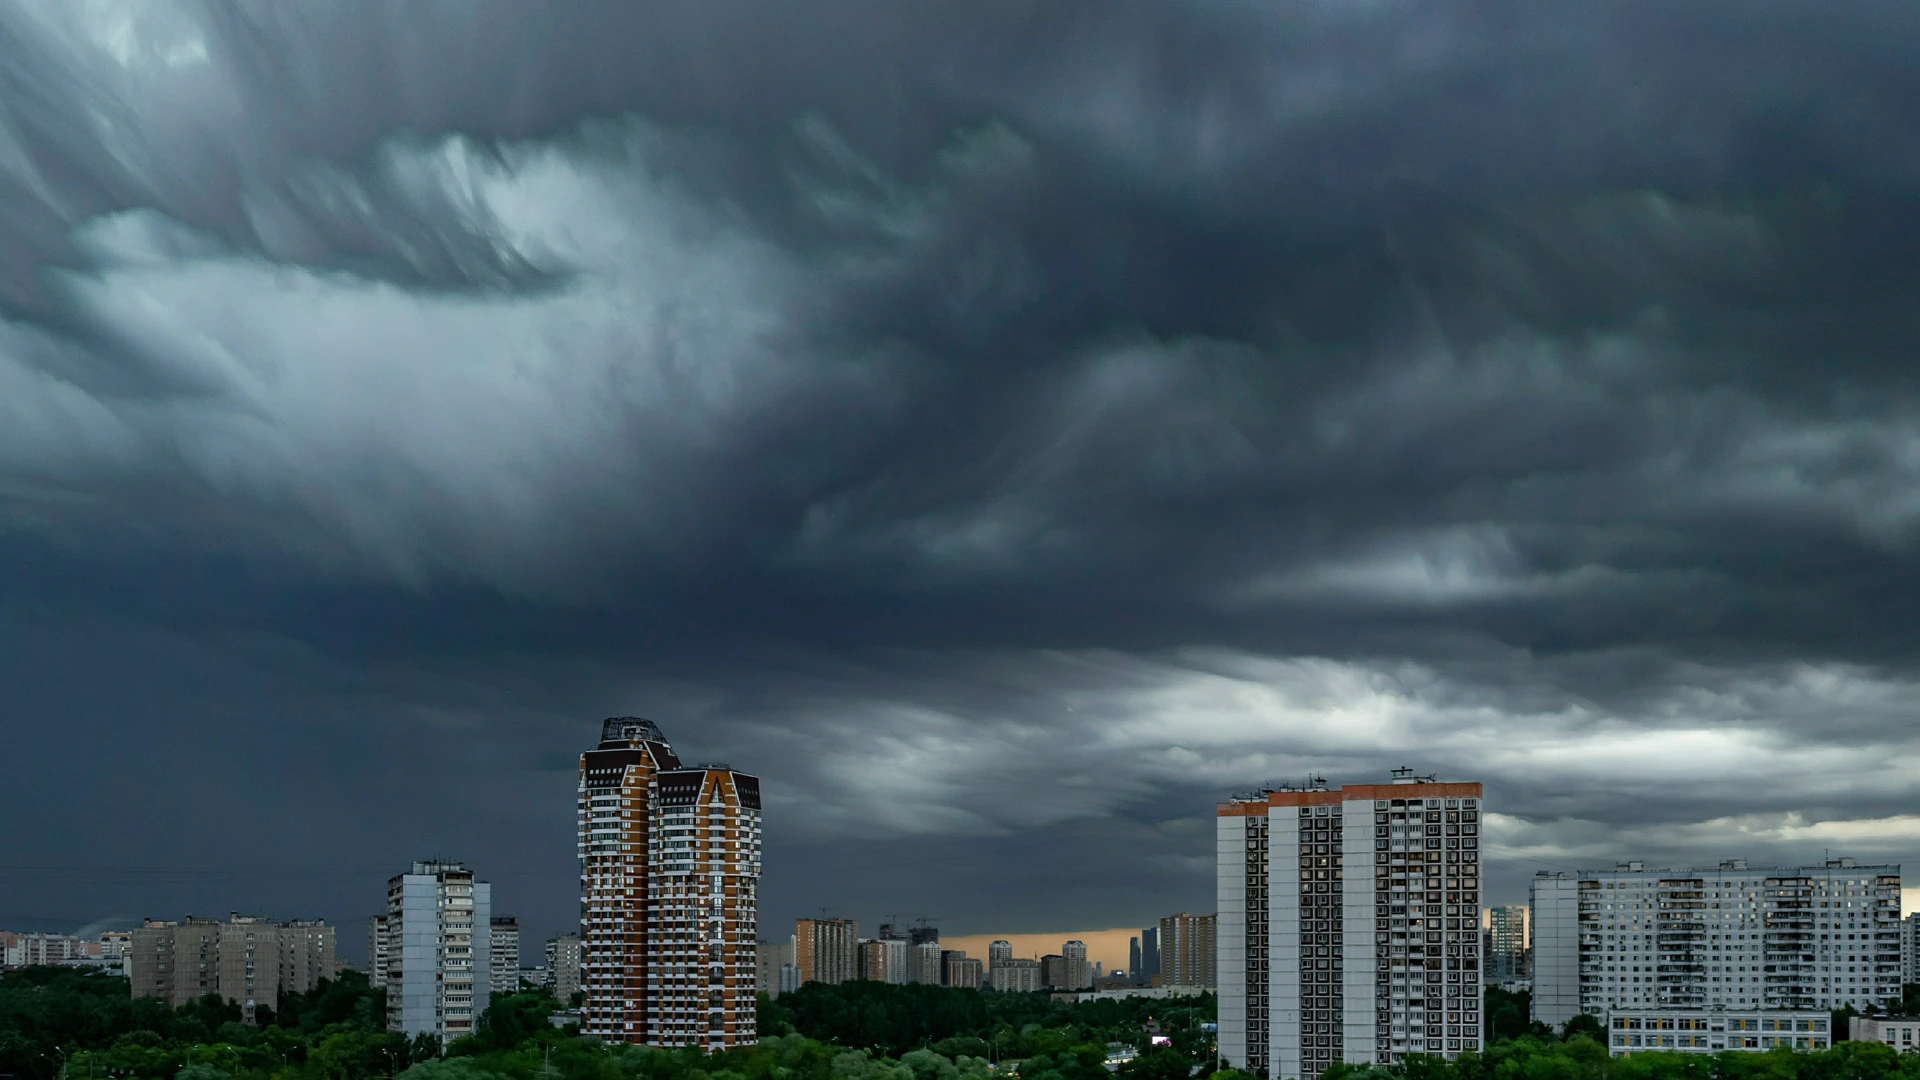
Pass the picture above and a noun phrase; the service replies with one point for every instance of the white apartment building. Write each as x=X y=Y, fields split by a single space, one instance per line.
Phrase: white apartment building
x=1693 y=1031
x=1348 y=925
x=1733 y=937
x=438 y=946
x=1079 y=972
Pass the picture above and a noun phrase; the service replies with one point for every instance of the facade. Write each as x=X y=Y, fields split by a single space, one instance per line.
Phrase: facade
x=1910 y=948
x=1188 y=950
x=1900 y=1032
x=669 y=893
x=503 y=955
x=884 y=960
x=563 y=966
x=1732 y=937
x=1507 y=944
x=827 y=950
x=246 y=960
x=1349 y=925
x=1695 y=1031
x=377 y=950
x=923 y=963
x=1014 y=976
x=962 y=970
x=772 y=961
x=1053 y=971
x=999 y=951
x=1078 y=975
x=438 y=969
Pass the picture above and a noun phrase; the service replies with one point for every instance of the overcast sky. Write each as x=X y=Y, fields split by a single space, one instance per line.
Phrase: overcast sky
x=1007 y=428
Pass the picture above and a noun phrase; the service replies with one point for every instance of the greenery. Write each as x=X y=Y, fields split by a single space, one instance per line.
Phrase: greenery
x=56 y=1021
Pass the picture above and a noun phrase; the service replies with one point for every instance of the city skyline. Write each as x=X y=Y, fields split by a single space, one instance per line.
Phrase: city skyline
x=1009 y=428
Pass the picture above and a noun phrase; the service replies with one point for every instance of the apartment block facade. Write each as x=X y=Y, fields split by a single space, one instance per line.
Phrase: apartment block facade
x=1730 y=937
x=563 y=966
x=1348 y=925
x=884 y=960
x=1507 y=944
x=247 y=960
x=1015 y=975
x=1693 y=1031
x=827 y=950
x=1189 y=947
x=503 y=955
x=669 y=893
x=439 y=976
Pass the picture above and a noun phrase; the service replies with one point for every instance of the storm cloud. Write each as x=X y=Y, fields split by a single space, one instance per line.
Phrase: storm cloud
x=1007 y=428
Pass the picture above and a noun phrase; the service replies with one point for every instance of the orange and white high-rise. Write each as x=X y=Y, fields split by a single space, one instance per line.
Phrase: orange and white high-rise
x=669 y=878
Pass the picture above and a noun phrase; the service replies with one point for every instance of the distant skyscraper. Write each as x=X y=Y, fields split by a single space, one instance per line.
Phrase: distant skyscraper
x=1077 y=972
x=961 y=970
x=438 y=947
x=1506 y=958
x=1133 y=958
x=1149 y=955
x=922 y=934
x=503 y=955
x=564 y=955
x=884 y=960
x=669 y=878
x=1053 y=971
x=1349 y=926
x=923 y=963
x=998 y=952
x=1187 y=944
x=1910 y=948
x=770 y=959
x=827 y=950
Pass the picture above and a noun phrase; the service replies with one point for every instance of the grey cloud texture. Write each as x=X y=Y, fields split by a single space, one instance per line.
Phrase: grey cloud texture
x=1007 y=427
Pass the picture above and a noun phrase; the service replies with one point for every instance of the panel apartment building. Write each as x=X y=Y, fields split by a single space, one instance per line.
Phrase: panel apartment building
x=438 y=950
x=246 y=960
x=1349 y=925
x=1189 y=950
x=669 y=884
x=1729 y=938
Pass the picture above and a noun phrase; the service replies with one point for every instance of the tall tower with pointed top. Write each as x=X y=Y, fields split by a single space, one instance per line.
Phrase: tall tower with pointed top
x=669 y=882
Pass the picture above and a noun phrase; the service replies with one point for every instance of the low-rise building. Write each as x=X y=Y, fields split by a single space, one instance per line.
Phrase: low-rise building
x=246 y=960
x=1900 y=1032
x=1682 y=1031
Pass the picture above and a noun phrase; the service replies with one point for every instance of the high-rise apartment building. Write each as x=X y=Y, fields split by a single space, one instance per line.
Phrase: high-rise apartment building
x=923 y=963
x=377 y=950
x=1015 y=975
x=1349 y=925
x=1189 y=950
x=884 y=960
x=771 y=961
x=438 y=969
x=1910 y=948
x=1053 y=971
x=1731 y=937
x=827 y=950
x=503 y=955
x=998 y=951
x=246 y=960
x=669 y=884
x=563 y=966
x=1075 y=969
x=962 y=970
x=1506 y=944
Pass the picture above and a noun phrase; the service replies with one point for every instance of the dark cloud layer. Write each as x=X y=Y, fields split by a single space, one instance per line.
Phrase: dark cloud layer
x=1006 y=427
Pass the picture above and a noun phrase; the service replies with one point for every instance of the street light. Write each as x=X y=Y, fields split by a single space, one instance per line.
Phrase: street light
x=391 y=1061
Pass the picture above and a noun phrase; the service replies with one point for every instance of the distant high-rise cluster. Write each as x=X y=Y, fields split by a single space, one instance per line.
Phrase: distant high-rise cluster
x=669 y=879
